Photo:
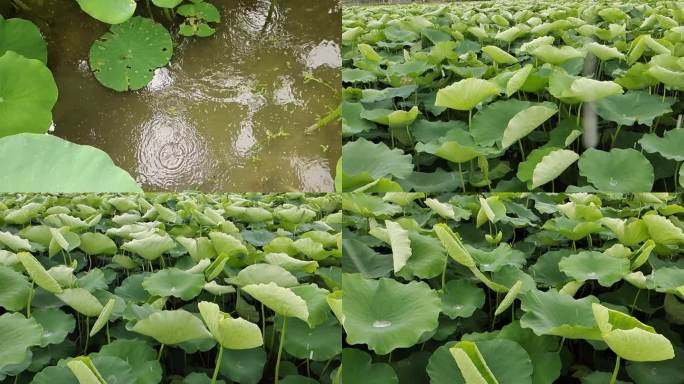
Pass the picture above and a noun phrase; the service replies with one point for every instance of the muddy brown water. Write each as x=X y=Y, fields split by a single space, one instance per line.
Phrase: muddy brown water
x=227 y=114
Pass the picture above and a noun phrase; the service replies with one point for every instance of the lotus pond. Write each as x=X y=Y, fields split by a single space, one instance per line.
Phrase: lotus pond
x=173 y=288
x=513 y=96
x=513 y=288
x=218 y=96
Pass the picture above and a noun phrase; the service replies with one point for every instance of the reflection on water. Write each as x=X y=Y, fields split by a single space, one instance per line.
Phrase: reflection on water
x=228 y=113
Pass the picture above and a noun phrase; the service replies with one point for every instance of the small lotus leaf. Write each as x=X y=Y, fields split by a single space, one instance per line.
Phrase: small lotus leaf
x=125 y=57
x=359 y=368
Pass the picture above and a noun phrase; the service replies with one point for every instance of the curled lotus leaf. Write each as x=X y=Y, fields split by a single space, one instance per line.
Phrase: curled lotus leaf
x=231 y=333
x=464 y=95
x=172 y=327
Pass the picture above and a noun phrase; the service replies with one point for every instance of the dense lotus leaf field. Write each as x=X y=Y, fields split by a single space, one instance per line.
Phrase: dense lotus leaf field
x=173 y=288
x=514 y=96
x=513 y=288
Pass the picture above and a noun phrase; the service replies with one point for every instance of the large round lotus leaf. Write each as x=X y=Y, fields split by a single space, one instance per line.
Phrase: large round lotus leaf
x=93 y=243
x=607 y=170
x=633 y=107
x=44 y=163
x=359 y=368
x=245 y=366
x=56 y=324
x=265 y=273
x=172 y=327
x=110 y=11
x=592 y=265
x=166 y=3
x=82 y=301
x=377 y=160
x=18 y=335
x=629 y=338
x=553 y=313
x=151 y=247
x=174 y=282
x=662 y=230
x=320 y=343
x=461 y=298
x=464 y=95
x=586 y=89
x=139 y=355
x=125 y=57
x=230 y=333
x=55 y=375
x=14 y=289
x=27 y=94
x=282 y=301
x=516 y=368
x=669 y=146
x=22 y=37
x=386 y=314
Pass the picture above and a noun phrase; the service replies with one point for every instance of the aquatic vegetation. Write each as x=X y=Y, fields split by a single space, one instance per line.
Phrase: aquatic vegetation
x=110 y=12
x=198 y=15
x=512 y=96
x=513 y=288
x=151 y=288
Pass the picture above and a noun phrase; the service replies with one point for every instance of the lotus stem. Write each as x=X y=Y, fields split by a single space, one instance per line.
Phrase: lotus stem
x=579 y=113
x=161 y=349
x=470 y=118
x=460 y=172
x=617 y=132
x=30 y=298
x=280 y=350
x=22 y=5
x=218 y=365
x=446 y=262
x=263 y=321
x=149 y=9
x=85 y=350
x=522 y=150
x=615 y=370
x=677 y=170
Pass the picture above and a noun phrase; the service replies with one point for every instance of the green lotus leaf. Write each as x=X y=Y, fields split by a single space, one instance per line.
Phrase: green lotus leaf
x=57 y=325
x=456 y=146
x=572 y=229
x=667 y=280
x=85 y=371
x=427 y=257
x=592 y=265
x=400 y=244
x=167 y=3
x=386 y=314
x=604 y=52
x=612 y=176
x=359 y=368
x=491 y=210
x=22 y=37
x=199 y=248
x=172 y=327
x=629 y=232
x=662 y=372
x=555 y=55
x=376 y=160
x=44 y=163
x=93 y=243
x=633 y=107
x=18 y=335
x=662 y=230
x=356 y=75
x=526 y=121
x=369 y=53
x=14 y=242
x=453 y=245
x=174 y=282
x=200 y=10
x=509 y=298
x=471 y=363
x=150 y=247
x=489 y=124
x=264 y=274
x=518 y=79
x=55 y=375
x=110 y=12
x=243 y=365
x=498 y=55
x=38 y=274
x=103 y=318
x=282 y=301
x=392 y=118
x=460 y=298
x=553 y=313
x=229 y=332
x=316 y=302
x=673 y=79
x=360 y=258
x=320 y=343
x=27 y=94
x=629 y=338
x=122 y=60
x=669 y=146
x=139 y=355
x=586 y=89
x=464 y=95
x=82 y=301
x=552 y=164
x=516 y=368
x=14 y=289
x=352 y=122
x=227 y=244
x=290 y=263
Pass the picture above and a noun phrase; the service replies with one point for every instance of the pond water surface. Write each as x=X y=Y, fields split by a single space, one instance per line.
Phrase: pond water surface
x=228 y=113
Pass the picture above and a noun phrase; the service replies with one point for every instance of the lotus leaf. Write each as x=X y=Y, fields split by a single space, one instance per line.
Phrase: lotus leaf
x=229 y=332
x=81 y=301
x=22 y=37
x=19 y=334
x=633 y=107
x=553 y=313
x=27 y=94
x=174 y=282
x=592 y=265
x=281 y=300
x=121 y=59
x=464 y=95
x=669 y=146
x=612 y=175
x=110 y=12
x=172 y=327
x=360 y=368
x=150 y=247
